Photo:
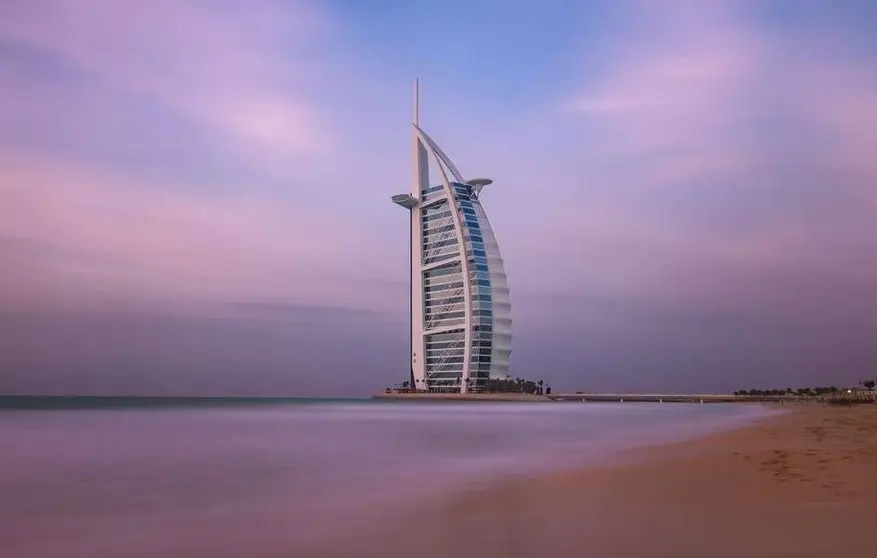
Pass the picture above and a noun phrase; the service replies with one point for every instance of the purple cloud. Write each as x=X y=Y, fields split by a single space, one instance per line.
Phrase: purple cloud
x=708 y=173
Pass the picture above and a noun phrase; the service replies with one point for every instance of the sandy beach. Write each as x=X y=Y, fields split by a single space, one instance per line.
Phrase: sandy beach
x=796 y=485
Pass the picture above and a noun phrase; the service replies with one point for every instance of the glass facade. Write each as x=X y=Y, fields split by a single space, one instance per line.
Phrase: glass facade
x=445 y=287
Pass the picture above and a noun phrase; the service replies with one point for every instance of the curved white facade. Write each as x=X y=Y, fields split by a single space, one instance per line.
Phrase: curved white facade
x=460 y=308
x=502 y=306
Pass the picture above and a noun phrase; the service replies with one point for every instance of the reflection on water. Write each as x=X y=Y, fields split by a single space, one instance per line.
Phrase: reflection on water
x=257 y=480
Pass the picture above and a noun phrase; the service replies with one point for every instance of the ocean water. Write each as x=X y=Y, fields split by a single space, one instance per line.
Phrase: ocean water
x=253 y=480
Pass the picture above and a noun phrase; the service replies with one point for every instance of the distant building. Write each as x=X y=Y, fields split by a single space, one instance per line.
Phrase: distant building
x=460 y=308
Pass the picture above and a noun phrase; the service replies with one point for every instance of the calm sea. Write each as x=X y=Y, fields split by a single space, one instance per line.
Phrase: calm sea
x=250 y=480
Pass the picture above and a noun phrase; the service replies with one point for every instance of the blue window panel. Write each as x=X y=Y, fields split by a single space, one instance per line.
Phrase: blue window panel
x=481 y=253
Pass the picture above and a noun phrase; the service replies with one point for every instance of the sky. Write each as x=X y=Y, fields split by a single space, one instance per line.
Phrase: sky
x=194 y=195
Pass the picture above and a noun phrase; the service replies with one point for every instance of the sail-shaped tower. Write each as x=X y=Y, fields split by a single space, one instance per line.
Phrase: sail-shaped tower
x=461 y=326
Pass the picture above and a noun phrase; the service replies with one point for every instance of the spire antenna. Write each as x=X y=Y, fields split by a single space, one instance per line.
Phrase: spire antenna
x=417 y=101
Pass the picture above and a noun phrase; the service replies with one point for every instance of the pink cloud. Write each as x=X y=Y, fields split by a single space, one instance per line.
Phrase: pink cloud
x=93 y=226
x=244 y=74
x=699 y=107
x=676 y=115
x=157 y=242
x=669 y=100
x=682 y=98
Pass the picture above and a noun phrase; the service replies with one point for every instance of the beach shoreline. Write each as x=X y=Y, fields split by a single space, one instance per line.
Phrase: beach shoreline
x=801 y=483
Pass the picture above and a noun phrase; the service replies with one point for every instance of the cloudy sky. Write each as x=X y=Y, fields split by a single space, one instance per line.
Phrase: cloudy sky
x=194 y=195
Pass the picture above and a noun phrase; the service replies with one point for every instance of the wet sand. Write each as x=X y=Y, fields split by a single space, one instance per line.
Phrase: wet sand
x=797 y=485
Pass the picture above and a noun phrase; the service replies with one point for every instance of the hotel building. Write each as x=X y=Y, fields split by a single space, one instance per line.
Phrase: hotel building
x=460 y=308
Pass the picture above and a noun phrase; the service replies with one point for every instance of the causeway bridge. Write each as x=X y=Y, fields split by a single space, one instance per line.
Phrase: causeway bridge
x=655 y=398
